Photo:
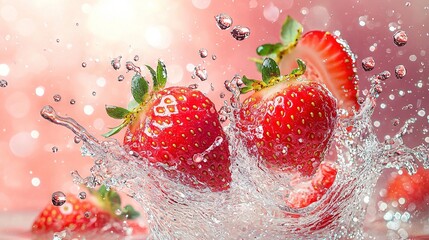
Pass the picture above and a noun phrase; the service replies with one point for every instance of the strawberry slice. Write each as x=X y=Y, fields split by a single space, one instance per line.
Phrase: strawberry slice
x=328 y=59
x=96 y=214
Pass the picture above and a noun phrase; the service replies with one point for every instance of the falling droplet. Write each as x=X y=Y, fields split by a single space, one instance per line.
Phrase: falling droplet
x=383 y=75
x=87 y=214
x=198 y=157
x=84 y=64
x=407 y=4
x=94 y=93
x=58 y=40
x=136 y=58
x=77 y=139
x=72 y=101
x=58 y=198
x=400 y=38
x=131 y=67
x=284 y=150
x=121 y=78
x=214 y=57
x=82 y=195
x=3 y=83
x=201 y=73
x=223 y=21
x=400 y=71
x=54 y=149
x=193 y=86
x=203 y=53
x=57 y=97
x=222 y=95
x=368 y=64
x=240 y=33
x=395 y=122
x=116 y=63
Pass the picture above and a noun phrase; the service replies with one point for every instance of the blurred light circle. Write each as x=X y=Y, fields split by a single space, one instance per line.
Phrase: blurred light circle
x=35 y=134
x=8 y=13
x=17 y=104
x=175 y=74
x=35 y=181
x=4 y=70
x=88 y=109
x=25 y=27
x=201 y=4
x=40 y=91
x=22 y=144
x=158 y=36
x=271 y=12
x=98 y=124
x=101 y=82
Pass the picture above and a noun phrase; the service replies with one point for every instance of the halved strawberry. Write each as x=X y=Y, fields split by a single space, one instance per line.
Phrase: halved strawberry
x=178 y=130
x=289 y=119
x=328 y=59
x=95 y=214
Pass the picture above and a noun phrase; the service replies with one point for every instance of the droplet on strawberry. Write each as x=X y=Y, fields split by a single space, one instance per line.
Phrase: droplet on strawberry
x=173 y=126
x=328 y=59
x=289 y=119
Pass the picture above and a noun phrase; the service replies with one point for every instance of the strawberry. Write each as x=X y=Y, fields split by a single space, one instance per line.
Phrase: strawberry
x=308 y=192
x=289 y=119
x=178 y=129
x=96 y=215
x=328 y=58
x=412 y=188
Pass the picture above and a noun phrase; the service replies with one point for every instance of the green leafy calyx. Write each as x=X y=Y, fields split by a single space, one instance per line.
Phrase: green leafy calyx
x=141 y=96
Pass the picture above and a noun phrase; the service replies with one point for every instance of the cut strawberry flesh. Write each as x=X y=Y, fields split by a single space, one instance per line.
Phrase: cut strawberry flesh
x=329 y=62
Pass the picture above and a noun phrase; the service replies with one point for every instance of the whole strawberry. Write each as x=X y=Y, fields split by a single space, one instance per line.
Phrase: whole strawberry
x=288 y=119
x=328 y=59
x=178 y=129
x=95 y=214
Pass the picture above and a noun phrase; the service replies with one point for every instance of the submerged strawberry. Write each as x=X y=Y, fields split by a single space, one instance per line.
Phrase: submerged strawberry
x=328 y=59
x=91 y=215
x=178 y=129
x=289 y=119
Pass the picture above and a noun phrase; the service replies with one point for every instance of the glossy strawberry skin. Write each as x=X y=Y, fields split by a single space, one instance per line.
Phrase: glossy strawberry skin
x=328 y=61
x=76 y=215
x=174 y=126
x=290 y=124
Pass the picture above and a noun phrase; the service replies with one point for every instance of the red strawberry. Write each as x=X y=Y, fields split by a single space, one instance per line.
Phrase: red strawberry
x=328 y=58
x=179 y=129
x=91 y=215
x=289 y=119
x=412 y=188
x=308 y=192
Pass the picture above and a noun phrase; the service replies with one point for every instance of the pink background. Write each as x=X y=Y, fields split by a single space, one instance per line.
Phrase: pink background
x=43 y=44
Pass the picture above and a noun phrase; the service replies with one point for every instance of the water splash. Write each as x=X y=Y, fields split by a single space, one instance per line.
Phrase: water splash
x=254 y=207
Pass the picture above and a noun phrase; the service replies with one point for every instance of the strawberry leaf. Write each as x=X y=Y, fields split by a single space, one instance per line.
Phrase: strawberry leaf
x=116 y=112
x=269 y=70
x=268 y=49
x=153 y=74
x=139 y=88
x=115 y=130
x=300 y=70
x=161 y=75
x=291 y=31
x=248 y=85
x=129 y=212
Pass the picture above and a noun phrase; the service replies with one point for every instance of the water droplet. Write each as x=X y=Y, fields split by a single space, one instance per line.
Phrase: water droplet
x=383 y=75
x=57 y=97
x=136 y=58
x=82 y=195
x=77 y=24
x=58 y=198
x=116 y=63
x=214 y=57
x=193 y=86
x=131 y=67
x=198 y=157
x=58 y=40
x=400 y=71
x=284 y=150
x=94 y=93
x=203 y=53
x=3 y=83
x=72 y=101
x=222 y=95
x=224 y=21
x=407 y=4
x=368 y=64
x=77 y=139
x=87 y=214
x=54 y=149
x=400 y=38
x=240 y=33
x=83 y=64
x=121 y=78
x=201 y=73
